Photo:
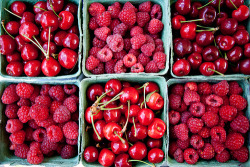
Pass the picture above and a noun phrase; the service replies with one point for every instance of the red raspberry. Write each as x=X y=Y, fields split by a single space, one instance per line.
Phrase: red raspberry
x=234 y=88
x=45 y=89
x=156 y=12
x=135 y=31
x=172 y=148
x=70 y=130
x=222 y=157
x=178 y=155
x=110 y=66
x=177 y=89
x=11 y=111
x=191 y=156
x=161 y=65
x=39 y=112
x=135 y=52
x=128 y=16
x=24 y=90
x=59 y=148
x=54 y=133
x=72 y=141
x=218 y=147
x=120 y=29
x=48 y=146
x=221 y=88
x=204 y=132
x=149 y=39
x=142 y=18
x=46 y=123
x=98 y=70
x=105 y=55
x=93 y=51
x=234 y=141
x=191 y=86
x=218 y=134
x=137 y=41
x=9 y=95
x=183 y=107
x=98 y=43
x=21 y=151
x=119 y=55
x=70 y=89
x=241 y=154
x=23 y=114
x=17 y=137
x=93 y=24
x=151 y=67
x=32 y=123
x=196 y=141
x=13 y=125
x=43 y=100
x=195 y=124
x=35 y=93
x=114 y=11
x=225 y=100
x=96 y=8
x=155 y=26
x=92 y=63
x=142 y=59
x=68 y=151
x=145 y=6
x=181 y=131
x=127 y=44
x=159 y=57
x=35 y=156
x=214 y=100
x=212 y=109
x=102 y=33
x=185 y=116
x=12 y=146
x=39 y=134
x=57 y=93
x=221 y=123
x=159 y=48
x=29 y=134
x=34 y=145
x=197 y=109
x=70 y=104
x=129 y=5
x=174 y=101
x=228 y=113
x=129 y=60
x=174 y=117
x=23 y=102
x=120 y=67
x=61 y=115
x=117 y=5
x=103 y=19
x=183 y=144
x=240 y=124
x=115 y=42
x=172 y=133
x=158 y=41
x=239 y=102
x=210 y=119
x=137 y=68
x=207 y=152
x=190 y=97
x=148 y=49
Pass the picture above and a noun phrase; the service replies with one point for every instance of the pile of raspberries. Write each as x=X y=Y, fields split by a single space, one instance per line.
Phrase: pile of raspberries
x=126 y=38
x=208 y=121
x=42 y=120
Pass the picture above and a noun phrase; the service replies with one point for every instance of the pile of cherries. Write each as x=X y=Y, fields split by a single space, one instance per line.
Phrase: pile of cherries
x=125 y=127
x=210 y=38
x=50 y=25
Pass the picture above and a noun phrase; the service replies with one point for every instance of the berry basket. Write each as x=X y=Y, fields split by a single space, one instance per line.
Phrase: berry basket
x=244 y=84
x=86 y=139
x=4 y=15
x=166 y=33
x=7 y=156
x=198 y=76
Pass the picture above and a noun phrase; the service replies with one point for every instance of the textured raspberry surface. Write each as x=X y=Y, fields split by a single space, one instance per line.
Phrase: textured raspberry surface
x=234 y=141
x=70 y=130
x=13 y=125
x=195 y=124
x=54 y=133
x=57 y=93
x=239 y=102
x=207 y=152
x=61 y=115
x=181 y=131
x=221 y=88
x=17 y=137
x=240 y=124
x=191 y=156
x=9 y=95
x=23 y=114
x=39 y=112
x=68 y=151
x=24 y=90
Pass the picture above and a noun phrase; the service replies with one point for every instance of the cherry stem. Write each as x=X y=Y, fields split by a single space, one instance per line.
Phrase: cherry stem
x=134 y=126
x=40 y=47
x=218 y=48
x=55 y=56
x=13 y=13
x=130 y=144
x=144 y=96
x=34 y=43
x=112 y=108
x=157 y=112
x=100 y=98
x=205 y=5
x=134 y=160
x=216 y=72
x=48 y=43
x=54 y=10
x=87 y=128
x=126 y=137
x=225 y=56
x=126 y=124
x=113 y=99
x=219 y=7
x=93 y=125
x=96 y=113
x=6 y=30
x=188 y=21
x=40 y=8
x=212 y=29
x=122 y=140
x=143 y=86
x=141 y=105
x=233 y=4
x=204 y=26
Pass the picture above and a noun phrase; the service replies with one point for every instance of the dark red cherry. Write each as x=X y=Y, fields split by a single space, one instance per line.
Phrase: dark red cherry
x=188 y=31
x=241 y=14
x=32 y=68
x=12 y=27
x=245 y=66
x=125 y=84
x=49 y=19
x=114 y=86
x=247 y=50
x=131 y=137
x=221 y=65
x=99 y=124
x=14 y=69
x=176 y=21
x=13 y=57
x=218 y=38
x=215 y=3
x=197 y=48
x=183 y=7
x=20 y=42
x=229 y=26
x=141 y=131
x=151 y=87
x=18 y=8
x=181 y=67
x=52 y=47
x=195 y=60
x=207 y=68
x=67 y=58
x=241 y=37
x=50 y=67
x=66 y=20
x=70 y=7
x=44 y=35
x=210 y=53
x=241 y=27
x=235 y=54
x=38 y=17
x=27 y=17
x=154 y=143
x=204 y=38
x=94 y=91
x=40 y=4
x=71 y=41
x=112 y=115
x=7 y=45
x=90 y=154
x=28 y=29
x=208 y=14
x=138 y=151
x=182 y=47
x=74 y=29
x=220 y=17
x=56 y=4
x=194 y=9
x=59 y=36
x=122 y=160
x=226 y=43
x=29 y=52
x=237 y=3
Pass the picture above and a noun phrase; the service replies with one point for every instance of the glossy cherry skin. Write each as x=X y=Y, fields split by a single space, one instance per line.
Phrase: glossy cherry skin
x=138 y=151
x=122 y=161
x=154 y=143
x=133 y=112
x=20 y=42
x=181 y=67
x=241 y=37
x=130 y=94
x=140 y=91
x=56 y=4
x=215 y=3
x=208 y=14
x=97 y=115
x=106 y=157
x=112 y=115
x=155 y=101
x=245 y=66
x=111 y=131
x=237 y=3
x=226 y=43
x=14 y=69
x=131 y=137
x=247 y=50
x=27 y=17
x=235 y=54
x=90 y=154
x=182 y=47
x=94 y=91
x=241 y=14
x=12 y=27
x=67 y=58
x=204 y=38
x=183 y=7
x=118 y=147
x=49 y=19
x=66 y=20
x=38 y=17
x=50 y=67
x=195 y=60
x=52 y=47
x=194 y=11
x=229 y=26
x=32 y=68
x=13 y=57
x=70 y=7
x=156 y=129
x=29 y=52
x=151 y=87
x=176 y=21
x=205 y=68
x=114 y=85
x=220 y=17
x=145 y=116
x=28 y=29
x=141 y=131
x=40 y=4
x=197 y=48
x=71 y=41
x=44 y=35
x=59 y=36
x=218 y=38
x=221 y=65
x=18 y=8
x=155 y=155
x=74 y=29
x=106 y=99
x=99 y=124
x=7 y=45
x=188 y=31
x=210 y=53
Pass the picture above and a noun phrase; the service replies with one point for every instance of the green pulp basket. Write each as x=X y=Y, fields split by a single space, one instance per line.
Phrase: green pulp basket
x=166 y=33
x=7 y=17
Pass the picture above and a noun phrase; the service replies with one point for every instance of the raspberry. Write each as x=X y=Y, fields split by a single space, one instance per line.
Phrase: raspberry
x=57 y=93
x=143 y=60
x=191 y=156
x=120 y=67
x=92 y=63
x=98 y=43
x=115 y=42
x=218 y=147
x=21 y=151
x=148 y=49
x=24 y=90
x=228 y=113
x=151 y=67
x=32 y=123
x=174 y=117
x=129 y=60
x=110 y=66
x=234 y=88
x=190 y=97
x=159 y=57
x=196 y=141
x=183 y=107
x=222 y=157
x=221 y=123
x=128 y=16
x=17 y=137
x=127 y=44
x=240 y=124
x=54 y=133
x=204 y=132
x=177 y=89
x=35 y=156
x=135 y=52
x=23 y=102
x=99 y=69
x=103 y=19
x=39 y=134
x=93 y=24
x=70 y=104
x=172 y=133
x=159 y=48
x=119 y=55
x=137 y=68
x=11 y=111
x=178 y=155
x=45 y=89
x=234 y=141
x=36 y=93
x=46 y=123
x=142 y=18
x=69 y=89
x=174 y=101
x=13 y=125
x=183 y=144
x=137 y=41
x=241 y=154
x=114 y=11
x=158 y=42
x=214 y=100
x=9 y=95
x=61 y=115
x=191 y=86
x=185 y=116
x=120 y=29
x=39 y=112
x=93 y=51
x=156 y=12
x=23 y=114
x=207 y=152
x=181 y=131
x=161 y=65
x=197 y=109
x=68 y=151
x=72 y=141
x=135 y=31
x=70 y=130
x=195 y=124
x=237 y=101
x=155 y=26
x=29 y=134
x=96 y=8
x=212 y=109
x=102 y=33
x=145 y=6
x=43 y=100
x=221 y=88
x=172 y=148
x=210 y=119
x=48 y=146
x=59 y=148
x=105 y=55
x=117 y=5
x=218 y=134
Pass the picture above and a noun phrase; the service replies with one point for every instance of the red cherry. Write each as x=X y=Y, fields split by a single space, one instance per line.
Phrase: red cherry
x=221 y=65
x=182 y=47
x=50 y=67
x=74 y=29
x=155 y=155
x=188 y=31
x=235 y=54
x=130 y=94
x=107 y=99
x=140 y=91
x=194 y=9
x=155 y=101
x=241 y=14
x=106 y=157
x=14 y=69
x=139 y=131
x=229 y=26
x=241 y=37
x=237 y=3
x=145 y=116
x=29 y=52
x=133 y=112
x=94 y=91
x=67 y=58
x=58 y=38
x=49 y=19
x=56 y=4
x=97 y=115
x=70 y=7
x=27 y=17
x=208 y=15
x=20 y=42
x=44 y=35
x=205 y=38
x=156 y=129
x=226 y=43
x=112 y=131
x=118 y=147
x=151 y=87
x=39 y=4
x=197 y=48
x=183 y=7
x=247 y=50
x=122 y=161
x=181 y=67
x=176 y=21
x=99 y=124
x=66 y=20
x=18 y=8
x=52 y=48
x=13 y=57
x=245 y=66
x=90 y=154
x=32 y=68
x=207 y=68
x=71 y=41
x=131 y=137
x=215 y=3
x=220 y=17
x=28 y=29
x=154 y=143
x=38 y=17
x=138 y=151
x=236 y=68
x=195 y=60
x=126 y=84
x=210 y=53
x=114 y=85
x=12 y=27
x=7 y=45
x=112 y=115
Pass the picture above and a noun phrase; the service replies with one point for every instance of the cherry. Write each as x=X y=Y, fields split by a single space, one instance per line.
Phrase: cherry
x=176 y=21
x=132 y=113
x=13 y=57
x=49 y=19
x=221 y=65
x=38 y=17
x=52 y=48
x=29 y=30
x=74 y=29
x=210 y=53
x=118 y=147
x=59 y=36
x=138 y=88
x=207 y=68
x=196 y=48
x=122 y=161
x=66 y=20
x=44 y=35
x=70 y=7
x=226 y=43
x=138 y=151
x=27 y=17
x=32 y=68
x=155 y=101
x=131 y=137
x=7 y=45
x=20 y=42
x=241 y=37
x=241 y=14
x=241 y=27
x=181 y=67
x=129 y=94
x=235 y=54
x=50 y=67
x=221 y=17
x=99 y=124
x=12 y=27
x=57 y=5
x=141 y=102
x=94 y=91
x=139 y=131
x=71 y=41
x=182 y=47
x=188 y=31
x=194 y=9
x=29 y=52
x=40 y=6
x=229 y=26
x=156 y=129
x=106 y=99
x=97 y=115
x=18 y=8
x=245 y=66
x=183 y=7
x=218 y=39
x=90 y=154
x=237 y=3
x=151 y=87
x=208 y=15
x=112 y=115
x=145 y=116
x=247 y=50
x=14 y=69
x=215 y=3
x=155 y=155
x=106 y=157
x=205 y=38
x=67 y=58
x=154 y=143
x=112 y=132
x=114 y=86
x=195 y=60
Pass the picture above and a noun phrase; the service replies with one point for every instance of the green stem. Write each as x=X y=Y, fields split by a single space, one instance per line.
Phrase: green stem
x=225 y=56
x=212 y=29
x=122 y=140
x=113 y=99
x=204 y=26
x=40 y=46
x=112 y=108
x=216 y=72
x=126 y=124
x=134 y=160
x=134 y=126
x=6 y=30
x=144 y=96
x=205 y=5
x=233 y=4
x=13 y=13
x=34 y=43
x=40 y=8
x=92 y=121
x=219 y=7
x=48 y=43
x=188 y=21
x=54 y=11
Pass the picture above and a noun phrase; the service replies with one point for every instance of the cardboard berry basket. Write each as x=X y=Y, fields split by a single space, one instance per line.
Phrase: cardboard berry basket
x=7 y=156
x=232 y=75
x=165 y=35
x=86 y=139
x=201 y=163
x=4 y=15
